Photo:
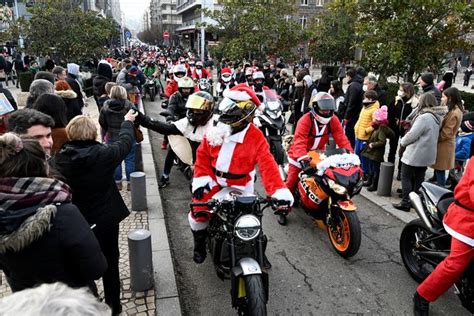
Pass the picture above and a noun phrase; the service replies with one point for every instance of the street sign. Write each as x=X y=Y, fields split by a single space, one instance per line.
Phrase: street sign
x=166 y=35
x=128 y=35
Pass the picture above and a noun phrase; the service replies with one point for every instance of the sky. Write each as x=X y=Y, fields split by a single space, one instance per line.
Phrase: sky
x=133 y=11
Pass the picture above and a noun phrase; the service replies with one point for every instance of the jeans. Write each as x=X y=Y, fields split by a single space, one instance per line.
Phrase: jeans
x=412 y=177
x=349 y=129
x=374 y=168
x=129 y=165
x=440 y=177
x=364 y=162
x=169 y=161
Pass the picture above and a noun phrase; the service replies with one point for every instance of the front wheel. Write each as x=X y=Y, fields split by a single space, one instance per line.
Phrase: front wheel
x=255 y=296
x=152 y=94
x=414 y=232
x=345 y=234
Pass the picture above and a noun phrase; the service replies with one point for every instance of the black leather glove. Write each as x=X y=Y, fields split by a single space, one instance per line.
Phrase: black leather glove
x=304 y=164
x=199 y=192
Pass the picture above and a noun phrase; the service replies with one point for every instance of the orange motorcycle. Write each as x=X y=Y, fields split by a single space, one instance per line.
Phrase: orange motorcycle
x=325 y=192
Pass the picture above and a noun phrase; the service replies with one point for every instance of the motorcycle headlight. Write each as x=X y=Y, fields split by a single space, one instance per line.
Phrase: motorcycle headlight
x=247 y=227
x=339 y=189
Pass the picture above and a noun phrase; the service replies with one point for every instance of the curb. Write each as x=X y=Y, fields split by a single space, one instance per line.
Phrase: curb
x=166 y=290
x=386 y=205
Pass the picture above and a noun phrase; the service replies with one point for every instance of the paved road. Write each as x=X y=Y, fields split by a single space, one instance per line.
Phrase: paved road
x=307 y=277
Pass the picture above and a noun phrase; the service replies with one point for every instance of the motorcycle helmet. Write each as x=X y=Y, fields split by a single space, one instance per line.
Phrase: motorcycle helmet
x=238 y=106
x=179 y=71
x=258 y=79
x=200 y=106
x=322 y=107
x=248 y=74
x=199 y=65
x=185 y=86
x=226 y=75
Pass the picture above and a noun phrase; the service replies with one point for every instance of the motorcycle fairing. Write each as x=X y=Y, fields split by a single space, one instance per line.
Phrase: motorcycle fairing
x=347 y=205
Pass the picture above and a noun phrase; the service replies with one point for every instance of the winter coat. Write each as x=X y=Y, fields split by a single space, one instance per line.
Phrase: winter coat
x=122 y=80
x=463 y=146
x=308 y=93
x=354 y=97
x=363 y=128
x=432 y=89
x=76 y=87
x=399 y=110
x=89 y=168
x=73 y=108
x=378 y=139
x=177 y=106
x=459 y=220
x=65 y=250
x=59 y=137
x=382 y=95
x=98 y=85
x=111 y=117
x=341 y=72
x=447 y=140
x=421 y=140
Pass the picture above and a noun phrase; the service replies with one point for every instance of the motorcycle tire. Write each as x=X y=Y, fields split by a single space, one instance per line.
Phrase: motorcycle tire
x=152 y=95
x=255 y=294
x=276 y=149
x=346 y=241
x=407 y=244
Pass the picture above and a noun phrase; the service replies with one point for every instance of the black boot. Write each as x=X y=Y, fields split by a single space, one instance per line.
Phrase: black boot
x=421 y=307
x=199 y=254
x=374 y=185
x=368 y=182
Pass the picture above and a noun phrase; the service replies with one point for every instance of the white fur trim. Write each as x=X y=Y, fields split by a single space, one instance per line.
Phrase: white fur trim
x=283 y=195
x=236 y=95
x=294 y=163
x=302 y=157
x=200 y=182
x=225 y=156
x=459 y=236
x=337 y=161
x=195 y=225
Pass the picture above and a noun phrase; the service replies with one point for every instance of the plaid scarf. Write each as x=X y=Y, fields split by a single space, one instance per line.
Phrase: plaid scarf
x=19 y=193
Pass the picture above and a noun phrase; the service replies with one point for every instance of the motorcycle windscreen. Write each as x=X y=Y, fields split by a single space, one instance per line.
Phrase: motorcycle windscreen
x=182 y=148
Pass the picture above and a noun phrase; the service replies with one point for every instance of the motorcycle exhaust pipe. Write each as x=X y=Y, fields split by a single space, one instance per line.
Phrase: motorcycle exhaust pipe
x=418 y=206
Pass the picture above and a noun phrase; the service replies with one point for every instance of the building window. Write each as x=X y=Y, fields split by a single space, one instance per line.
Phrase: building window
x=303 y=20
x=304 y=2
x=319 y=3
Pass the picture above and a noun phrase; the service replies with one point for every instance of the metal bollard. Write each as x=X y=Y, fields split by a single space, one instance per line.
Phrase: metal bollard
x=384 y=187
x=140 y=258
x=331 y=144
x=138 y=191
x=138 y=158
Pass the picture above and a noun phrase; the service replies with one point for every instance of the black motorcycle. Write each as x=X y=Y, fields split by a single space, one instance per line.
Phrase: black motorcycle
x=150 y=88
x=424 y=242
x=237 y=246
x=271 y=122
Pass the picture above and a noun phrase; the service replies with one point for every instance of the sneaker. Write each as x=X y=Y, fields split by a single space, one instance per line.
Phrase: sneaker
x=119 y=186
x=164 y=181
x=421 y=307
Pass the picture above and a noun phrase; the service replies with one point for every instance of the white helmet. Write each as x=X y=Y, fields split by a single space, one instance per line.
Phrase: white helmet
x=258 y=75
x=179 y=71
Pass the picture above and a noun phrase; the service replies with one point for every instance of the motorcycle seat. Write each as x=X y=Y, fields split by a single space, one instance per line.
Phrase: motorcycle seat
x=435 y=192
x=443 y=206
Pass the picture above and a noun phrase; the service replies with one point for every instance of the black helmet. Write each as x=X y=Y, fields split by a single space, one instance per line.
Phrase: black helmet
x=200 y=106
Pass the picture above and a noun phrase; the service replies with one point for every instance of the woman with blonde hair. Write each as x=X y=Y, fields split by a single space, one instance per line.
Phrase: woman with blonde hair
x=89 y=168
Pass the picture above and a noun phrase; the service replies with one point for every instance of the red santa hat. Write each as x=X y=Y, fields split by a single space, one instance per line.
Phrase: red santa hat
x=242 y=92
x=226 y=71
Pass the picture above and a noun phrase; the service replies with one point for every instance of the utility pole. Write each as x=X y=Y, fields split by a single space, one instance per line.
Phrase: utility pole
x=203 y=32
x=17 y=16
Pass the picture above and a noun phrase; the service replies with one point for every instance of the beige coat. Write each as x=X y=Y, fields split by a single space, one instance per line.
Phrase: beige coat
x=447 y=140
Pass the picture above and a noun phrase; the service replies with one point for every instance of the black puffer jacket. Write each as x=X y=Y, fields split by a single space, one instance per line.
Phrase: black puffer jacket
x=353 y=98
x=88 y=167
x=66 y=249
x=98 y=85
x=112 y=115
x=177 y=106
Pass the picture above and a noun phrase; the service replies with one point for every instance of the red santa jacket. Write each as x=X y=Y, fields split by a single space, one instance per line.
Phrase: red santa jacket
x=459 y=220
x=238 y=156
x=311 y=135
x=203 y=74
x=171 y=87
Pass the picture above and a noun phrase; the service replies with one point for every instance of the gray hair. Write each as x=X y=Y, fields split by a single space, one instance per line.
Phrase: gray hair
x=372 y=79
x=39 y=87
x=55 y=299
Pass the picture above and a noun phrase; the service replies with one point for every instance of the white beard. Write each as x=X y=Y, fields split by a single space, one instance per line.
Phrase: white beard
x=218 y=134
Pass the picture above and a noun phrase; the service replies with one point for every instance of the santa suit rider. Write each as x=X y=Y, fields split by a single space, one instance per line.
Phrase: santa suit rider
x=200 y=72
x=312 y=133
x=248 y=76
x=226 y=82
x=191 y=68
x=179 y=71
x=227 y=157
x=459 y=223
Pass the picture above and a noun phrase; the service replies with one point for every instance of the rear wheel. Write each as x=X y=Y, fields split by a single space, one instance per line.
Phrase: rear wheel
x=152 y=94
x=276 y=149
x=418 y=268
x=255 y=295
x=345 y=235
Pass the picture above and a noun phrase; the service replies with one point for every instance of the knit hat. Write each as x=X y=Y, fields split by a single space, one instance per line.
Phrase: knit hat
x=380 y=115
x=428 y=78
x=73 y=69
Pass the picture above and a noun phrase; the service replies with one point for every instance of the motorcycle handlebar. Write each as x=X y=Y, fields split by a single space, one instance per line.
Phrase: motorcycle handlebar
x=274 y=203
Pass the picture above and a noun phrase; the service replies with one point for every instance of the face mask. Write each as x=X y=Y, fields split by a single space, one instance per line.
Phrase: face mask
x=365 y=87
x=401 y=94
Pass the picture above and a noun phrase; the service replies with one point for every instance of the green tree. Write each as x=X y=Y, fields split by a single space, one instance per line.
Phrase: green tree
x=407 y=36
x=248 y=29
x=333 y=32
x=60 y=27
